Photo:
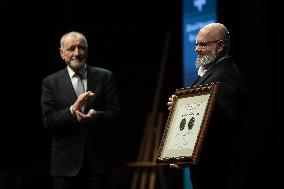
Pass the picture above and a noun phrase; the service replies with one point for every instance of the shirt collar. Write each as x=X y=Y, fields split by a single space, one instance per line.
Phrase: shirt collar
x=83 y=72
x=201 y=71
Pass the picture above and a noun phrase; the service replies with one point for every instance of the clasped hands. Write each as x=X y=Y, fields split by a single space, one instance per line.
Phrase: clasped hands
x=79 y=103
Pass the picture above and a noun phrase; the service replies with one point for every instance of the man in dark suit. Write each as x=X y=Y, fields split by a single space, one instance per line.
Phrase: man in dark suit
x=79 y=105
x=219 y=160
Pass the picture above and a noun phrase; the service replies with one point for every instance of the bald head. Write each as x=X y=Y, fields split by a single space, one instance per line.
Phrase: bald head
x=216 y=31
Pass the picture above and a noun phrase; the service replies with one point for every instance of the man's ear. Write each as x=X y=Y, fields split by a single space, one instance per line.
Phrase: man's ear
x=221 y=46
x=61 y=53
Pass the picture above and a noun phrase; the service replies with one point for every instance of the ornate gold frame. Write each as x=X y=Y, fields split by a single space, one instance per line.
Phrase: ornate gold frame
x=187 y=124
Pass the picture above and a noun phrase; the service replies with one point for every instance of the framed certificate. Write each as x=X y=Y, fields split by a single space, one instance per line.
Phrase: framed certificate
x=187 y=124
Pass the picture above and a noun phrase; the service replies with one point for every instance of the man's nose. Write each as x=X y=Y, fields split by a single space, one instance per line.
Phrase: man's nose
x=76 y=51
x=198 y=48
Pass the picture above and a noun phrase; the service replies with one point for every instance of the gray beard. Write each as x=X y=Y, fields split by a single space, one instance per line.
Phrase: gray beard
x=206 y=60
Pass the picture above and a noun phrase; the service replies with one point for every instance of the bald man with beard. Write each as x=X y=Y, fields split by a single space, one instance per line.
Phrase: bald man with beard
x=219 y=160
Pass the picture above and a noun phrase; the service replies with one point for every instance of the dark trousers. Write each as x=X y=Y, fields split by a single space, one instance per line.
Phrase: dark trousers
x=87 y=178
x=82 y=182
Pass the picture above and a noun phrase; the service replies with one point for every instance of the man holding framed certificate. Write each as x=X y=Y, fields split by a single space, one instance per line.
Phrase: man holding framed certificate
x=219 y=157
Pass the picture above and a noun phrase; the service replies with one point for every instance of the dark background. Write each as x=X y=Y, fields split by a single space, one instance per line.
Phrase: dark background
x=127 y=37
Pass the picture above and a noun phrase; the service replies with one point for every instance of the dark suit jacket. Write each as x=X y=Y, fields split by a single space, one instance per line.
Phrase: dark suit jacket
x=71 y=140
x=219 y=157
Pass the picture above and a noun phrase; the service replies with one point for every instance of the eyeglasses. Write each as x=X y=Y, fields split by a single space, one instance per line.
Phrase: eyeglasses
x=205 y=44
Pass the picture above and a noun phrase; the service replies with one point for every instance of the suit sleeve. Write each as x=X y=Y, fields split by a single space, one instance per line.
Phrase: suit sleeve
x=231 y=94
x=53 y=116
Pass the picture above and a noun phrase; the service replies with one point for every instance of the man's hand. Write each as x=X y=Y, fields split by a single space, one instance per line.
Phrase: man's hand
x=81 y=100
x=171 y=102
x=84 y=118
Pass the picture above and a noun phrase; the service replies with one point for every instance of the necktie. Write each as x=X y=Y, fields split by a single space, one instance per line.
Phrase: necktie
x=80 y=86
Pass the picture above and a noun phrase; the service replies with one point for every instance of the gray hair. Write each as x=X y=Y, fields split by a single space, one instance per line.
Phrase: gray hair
x=73 y=33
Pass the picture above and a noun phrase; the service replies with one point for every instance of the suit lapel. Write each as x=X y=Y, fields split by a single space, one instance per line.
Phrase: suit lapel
x=205 y=76
x=91 y=86
x=67 y=86
x=91 y=80
x=196 y=81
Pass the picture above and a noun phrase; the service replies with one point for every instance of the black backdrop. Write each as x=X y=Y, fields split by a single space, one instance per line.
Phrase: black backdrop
x=128 y=38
